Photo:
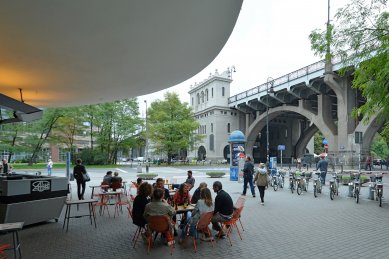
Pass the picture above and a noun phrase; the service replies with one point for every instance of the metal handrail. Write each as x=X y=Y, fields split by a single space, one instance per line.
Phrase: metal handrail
x=302 y=72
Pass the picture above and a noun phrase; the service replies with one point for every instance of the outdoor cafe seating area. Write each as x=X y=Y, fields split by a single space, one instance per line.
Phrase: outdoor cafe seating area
x=116 y=202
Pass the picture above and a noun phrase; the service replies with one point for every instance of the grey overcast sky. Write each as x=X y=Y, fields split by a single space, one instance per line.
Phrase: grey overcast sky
x=270 y=39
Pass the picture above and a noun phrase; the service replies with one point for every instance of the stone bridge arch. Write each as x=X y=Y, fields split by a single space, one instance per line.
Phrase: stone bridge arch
x=260 y=122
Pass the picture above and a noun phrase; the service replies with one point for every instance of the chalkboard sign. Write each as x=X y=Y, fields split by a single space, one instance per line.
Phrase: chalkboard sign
x=40 y=186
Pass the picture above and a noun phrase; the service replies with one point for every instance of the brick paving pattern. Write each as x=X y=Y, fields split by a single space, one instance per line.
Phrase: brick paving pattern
x=288 y=226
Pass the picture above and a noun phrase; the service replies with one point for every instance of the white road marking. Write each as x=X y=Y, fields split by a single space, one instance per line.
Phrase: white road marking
x=120 y=170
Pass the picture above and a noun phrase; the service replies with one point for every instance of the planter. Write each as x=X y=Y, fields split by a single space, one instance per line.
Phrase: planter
x=215 y=174
x=147 y=176
x=345 y=180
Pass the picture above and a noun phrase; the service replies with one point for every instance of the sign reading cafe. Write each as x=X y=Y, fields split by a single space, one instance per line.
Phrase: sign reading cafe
x=40 y=186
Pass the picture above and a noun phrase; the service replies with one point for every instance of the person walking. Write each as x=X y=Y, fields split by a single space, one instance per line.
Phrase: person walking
x=49 y=167
x=261 y=180
x=78 y=172
x=322 y=165
x=248 y=172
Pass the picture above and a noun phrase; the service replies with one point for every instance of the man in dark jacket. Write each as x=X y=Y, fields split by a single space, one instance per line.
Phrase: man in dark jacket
x=248 y=172
x=78 y=172
x=224 y=207
x=322 y=165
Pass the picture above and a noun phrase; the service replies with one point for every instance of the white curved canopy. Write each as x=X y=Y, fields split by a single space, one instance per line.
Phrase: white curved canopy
x=74 y=52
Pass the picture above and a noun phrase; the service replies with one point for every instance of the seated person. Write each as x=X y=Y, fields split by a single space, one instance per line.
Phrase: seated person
x=140 y=202
x=224 y=207
x=107 y=178
x=204 y=205
x=190 y=181
x=159 y=207
x=139 y=181
x=116 y=178
x=196 y=194
x=182 y=195
x=160 y=183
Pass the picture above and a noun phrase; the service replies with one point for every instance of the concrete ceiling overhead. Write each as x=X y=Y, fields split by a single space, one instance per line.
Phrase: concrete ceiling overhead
x=74 y=52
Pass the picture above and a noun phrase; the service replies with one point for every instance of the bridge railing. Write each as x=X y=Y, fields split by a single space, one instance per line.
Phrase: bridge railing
x=302 y=72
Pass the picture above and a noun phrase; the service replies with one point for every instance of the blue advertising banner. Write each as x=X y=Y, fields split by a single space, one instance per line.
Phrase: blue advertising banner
x=237 y=151
x=234 y=173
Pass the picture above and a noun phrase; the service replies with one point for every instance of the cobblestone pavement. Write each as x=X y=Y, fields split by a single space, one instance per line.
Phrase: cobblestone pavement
x=288 y=226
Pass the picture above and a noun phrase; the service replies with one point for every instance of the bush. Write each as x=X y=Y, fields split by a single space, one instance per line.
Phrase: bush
x=147 y=176
x=215 y=174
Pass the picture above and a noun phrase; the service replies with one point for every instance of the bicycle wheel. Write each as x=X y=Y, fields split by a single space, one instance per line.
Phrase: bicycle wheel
x=299 y=189
x=275 y=185
x=379 y=195
x=332 y=192
x=357 y=195
x=314 y=191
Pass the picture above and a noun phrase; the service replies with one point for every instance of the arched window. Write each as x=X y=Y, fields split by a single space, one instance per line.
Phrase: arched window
x=198 y=98
x=211 y=127
x=222 y=91
x=202 y=97
x=228 y=128
x=192 y=101
x=211 y=142
x=206 y=95
x=212 y=92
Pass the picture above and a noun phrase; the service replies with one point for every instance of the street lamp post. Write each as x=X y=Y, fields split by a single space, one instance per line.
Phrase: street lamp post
x=271 y=82
x=147 y=141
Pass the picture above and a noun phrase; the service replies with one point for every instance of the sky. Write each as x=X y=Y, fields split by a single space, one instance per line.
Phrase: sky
x=270 y=39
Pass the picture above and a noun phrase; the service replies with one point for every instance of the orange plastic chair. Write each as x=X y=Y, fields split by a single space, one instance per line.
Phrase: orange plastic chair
x=4 y=247
x=228 y=225
x=159 y=225
x=240 y=204
x=202 y=226
x=138 y=228
x=103 y=204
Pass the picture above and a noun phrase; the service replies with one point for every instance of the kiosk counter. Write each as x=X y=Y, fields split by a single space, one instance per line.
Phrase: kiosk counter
x=31 y=198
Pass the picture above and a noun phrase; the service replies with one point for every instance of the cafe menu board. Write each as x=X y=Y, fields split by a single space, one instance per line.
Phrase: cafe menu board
x=237 y=152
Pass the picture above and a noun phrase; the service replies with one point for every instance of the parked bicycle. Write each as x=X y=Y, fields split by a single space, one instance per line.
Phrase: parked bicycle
x=378 y=188
x=292 y=181
x=302 y=183
x=317 y=184
x=274 y=179
x=356 y=187
x=334 y=185
x=281 y=178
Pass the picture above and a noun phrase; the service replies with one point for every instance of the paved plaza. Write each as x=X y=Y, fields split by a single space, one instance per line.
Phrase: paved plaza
x=288 y=226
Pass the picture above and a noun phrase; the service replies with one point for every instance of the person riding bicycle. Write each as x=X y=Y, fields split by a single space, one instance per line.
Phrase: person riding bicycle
x=322 y=166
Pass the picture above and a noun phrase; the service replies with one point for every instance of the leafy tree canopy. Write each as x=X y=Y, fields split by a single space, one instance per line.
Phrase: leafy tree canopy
x=359 y=37
x=171 y=125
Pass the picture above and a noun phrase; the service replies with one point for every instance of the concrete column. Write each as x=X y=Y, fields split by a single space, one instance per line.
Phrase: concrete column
x=247 y=120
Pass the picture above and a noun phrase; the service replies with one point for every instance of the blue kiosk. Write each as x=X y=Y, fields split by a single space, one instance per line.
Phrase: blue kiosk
x=237 y=142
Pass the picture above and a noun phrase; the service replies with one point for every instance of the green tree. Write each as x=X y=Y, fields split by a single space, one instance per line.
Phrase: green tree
x=11 y=137
x=318 y=143
x=40 y=131
x=68 y=126
x=171 y=125
x=117 y=124
x=379 y=147
x=359 y=36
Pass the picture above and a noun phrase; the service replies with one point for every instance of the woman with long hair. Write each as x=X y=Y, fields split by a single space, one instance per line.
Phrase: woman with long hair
x=204 y=205
x=182 y=195
x=143 y=198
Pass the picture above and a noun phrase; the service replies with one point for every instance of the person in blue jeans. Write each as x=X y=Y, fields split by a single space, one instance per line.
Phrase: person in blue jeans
x=248 y=172
x=322 y=166
x=204 y=205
